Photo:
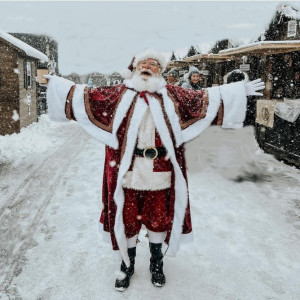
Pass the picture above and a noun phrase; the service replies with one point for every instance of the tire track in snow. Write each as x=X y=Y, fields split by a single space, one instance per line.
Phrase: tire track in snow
x=21 y=216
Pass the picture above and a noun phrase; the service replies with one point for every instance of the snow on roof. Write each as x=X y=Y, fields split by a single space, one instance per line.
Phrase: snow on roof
x=290 y=12
x=260 y=43
x=30 y=51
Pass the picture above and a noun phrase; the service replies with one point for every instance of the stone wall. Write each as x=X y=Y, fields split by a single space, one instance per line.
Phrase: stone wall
x=9 y=89
x=18 y=107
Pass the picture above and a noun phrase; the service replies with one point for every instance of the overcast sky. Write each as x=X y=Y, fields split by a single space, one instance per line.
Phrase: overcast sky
x=104 y=36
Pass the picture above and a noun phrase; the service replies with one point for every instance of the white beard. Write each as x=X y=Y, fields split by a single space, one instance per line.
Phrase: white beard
x=144 y=83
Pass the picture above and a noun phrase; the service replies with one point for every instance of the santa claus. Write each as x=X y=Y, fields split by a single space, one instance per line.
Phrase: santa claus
x=144 y=124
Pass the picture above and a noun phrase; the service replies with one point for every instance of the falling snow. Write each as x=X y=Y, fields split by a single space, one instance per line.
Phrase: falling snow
x=15 y=116
x=112 y=163
x=245 y=215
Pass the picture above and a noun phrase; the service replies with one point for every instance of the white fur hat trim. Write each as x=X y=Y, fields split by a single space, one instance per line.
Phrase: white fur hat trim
x=151 y=53
x=225 y=78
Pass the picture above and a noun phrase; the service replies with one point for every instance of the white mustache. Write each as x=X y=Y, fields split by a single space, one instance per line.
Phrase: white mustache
x=139 y=72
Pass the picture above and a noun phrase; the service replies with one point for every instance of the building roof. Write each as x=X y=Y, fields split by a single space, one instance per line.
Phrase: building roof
x=264 y=48
x=30 y=51
x=290 y=12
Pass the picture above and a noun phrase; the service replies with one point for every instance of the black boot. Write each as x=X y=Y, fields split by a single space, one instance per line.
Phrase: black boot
x=122 y=284
x=156 y=265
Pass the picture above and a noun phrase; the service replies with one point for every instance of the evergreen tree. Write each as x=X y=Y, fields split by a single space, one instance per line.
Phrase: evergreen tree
x=220 y=45
x=173 y=57
x=73 y=77
x=192 y=51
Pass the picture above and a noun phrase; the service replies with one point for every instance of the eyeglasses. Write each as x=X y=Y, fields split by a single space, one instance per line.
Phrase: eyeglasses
x=153 y=63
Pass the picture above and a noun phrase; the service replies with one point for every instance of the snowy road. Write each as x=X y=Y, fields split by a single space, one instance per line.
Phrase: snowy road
x=22 y=213
x=245 y=212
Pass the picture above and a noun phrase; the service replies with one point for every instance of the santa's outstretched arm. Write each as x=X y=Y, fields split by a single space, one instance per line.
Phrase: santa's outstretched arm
x=93 y=111
x=225 y=105
x=58 y=89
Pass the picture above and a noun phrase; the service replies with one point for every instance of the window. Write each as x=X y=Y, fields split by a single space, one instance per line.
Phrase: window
x=28 y=74
x=292 y=28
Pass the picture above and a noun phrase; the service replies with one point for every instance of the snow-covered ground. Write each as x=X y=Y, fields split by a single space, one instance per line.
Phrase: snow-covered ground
x=245 y=212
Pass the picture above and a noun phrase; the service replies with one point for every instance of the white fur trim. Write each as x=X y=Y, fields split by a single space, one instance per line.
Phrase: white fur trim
x=195 y=129
x=181 y=193
x=149 y=181
x=122 y=110
x=172 y=116
x=180 y=183
x=57 y=92
x=225 y=78
x=142 y=176
x=235 y=104
x=139 y=111
x=151 y=53
x=126 y=73
x=81 y=116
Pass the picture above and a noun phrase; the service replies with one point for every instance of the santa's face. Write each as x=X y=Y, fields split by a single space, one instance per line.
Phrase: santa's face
x=147 y=76
x=148 y=67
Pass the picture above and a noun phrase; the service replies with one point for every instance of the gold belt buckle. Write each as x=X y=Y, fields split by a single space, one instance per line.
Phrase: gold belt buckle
x=149 y=157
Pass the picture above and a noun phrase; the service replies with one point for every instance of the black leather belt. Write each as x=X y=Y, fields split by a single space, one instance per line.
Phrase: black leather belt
x=151 y=152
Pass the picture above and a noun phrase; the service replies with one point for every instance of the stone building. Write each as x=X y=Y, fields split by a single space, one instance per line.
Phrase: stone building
x=115 y=78
x=18 y=69
x=44 y=44
x=48 y=46
x=96 y=79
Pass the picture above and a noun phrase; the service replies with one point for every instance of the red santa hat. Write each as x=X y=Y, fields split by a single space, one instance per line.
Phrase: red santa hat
x=148 y=53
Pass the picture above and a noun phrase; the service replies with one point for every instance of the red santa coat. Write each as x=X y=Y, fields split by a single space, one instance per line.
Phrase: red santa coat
x=113 y=115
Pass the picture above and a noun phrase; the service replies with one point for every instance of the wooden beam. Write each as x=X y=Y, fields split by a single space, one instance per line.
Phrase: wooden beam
x=206 y=57
x=263 y=49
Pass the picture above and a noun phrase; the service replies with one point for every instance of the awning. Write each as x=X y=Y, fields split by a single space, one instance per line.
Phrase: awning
x=210 y=57
x=177 y=64
x=257 y=48
x=216 y=58
x=262 y=48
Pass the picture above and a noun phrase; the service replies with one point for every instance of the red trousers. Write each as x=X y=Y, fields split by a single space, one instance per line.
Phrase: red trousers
x=150 y=208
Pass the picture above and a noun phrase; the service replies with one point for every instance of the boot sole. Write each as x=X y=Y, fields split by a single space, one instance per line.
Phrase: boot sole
x=158 y=285
x=122 y=289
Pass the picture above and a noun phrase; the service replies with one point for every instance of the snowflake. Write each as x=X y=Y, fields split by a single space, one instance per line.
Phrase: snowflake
x=15 y=116
x=112 y=163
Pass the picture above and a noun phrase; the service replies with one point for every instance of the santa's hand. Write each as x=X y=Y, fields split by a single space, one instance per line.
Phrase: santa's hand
x=253 y=86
